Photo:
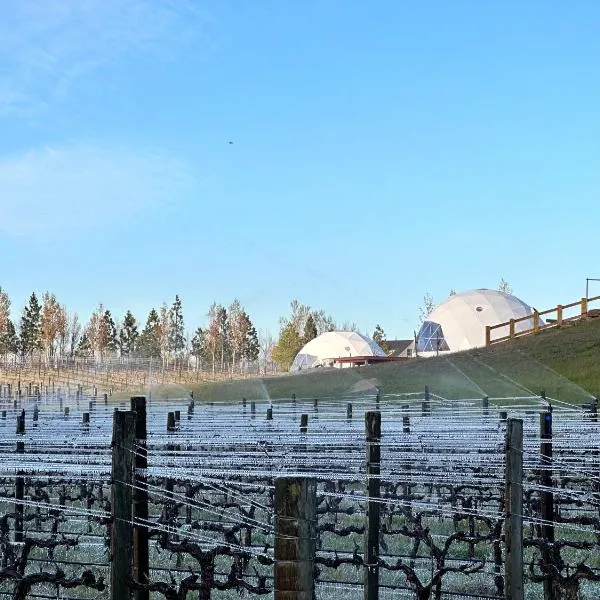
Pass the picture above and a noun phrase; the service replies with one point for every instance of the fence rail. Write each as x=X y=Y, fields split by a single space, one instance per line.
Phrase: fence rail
x=533 y=323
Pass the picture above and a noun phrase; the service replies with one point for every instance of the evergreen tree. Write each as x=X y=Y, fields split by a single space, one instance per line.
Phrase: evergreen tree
x=84 y=348
x=112 y=341
x=379 y=337
x=128 y=335
x=252 y=348
x=310 y=329
x=176 y=329
x=9 y=341
x=287 y=347
x=150 y=339
x=199 y=348
x=31 y=327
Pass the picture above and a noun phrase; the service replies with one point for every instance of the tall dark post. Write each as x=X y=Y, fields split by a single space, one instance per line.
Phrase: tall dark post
x=426 y=407
x=19 y=482
x=303 y=423
x=141 y=569
x=485 y=404
x=295 y=532
x=372 y=524
x=121 y=503
x=171 y=421
x=547 y=499
x=349 y=410
x=513 y=523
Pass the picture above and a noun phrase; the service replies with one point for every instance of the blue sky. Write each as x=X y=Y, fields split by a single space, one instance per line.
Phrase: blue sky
x=380 y=150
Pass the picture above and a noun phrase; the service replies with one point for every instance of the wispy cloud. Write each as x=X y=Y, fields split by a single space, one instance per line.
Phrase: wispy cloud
x=54 y=189
x=47 y=47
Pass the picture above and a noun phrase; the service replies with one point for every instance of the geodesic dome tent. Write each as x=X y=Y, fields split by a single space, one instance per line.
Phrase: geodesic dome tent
x=459 y=323
x=328 y=346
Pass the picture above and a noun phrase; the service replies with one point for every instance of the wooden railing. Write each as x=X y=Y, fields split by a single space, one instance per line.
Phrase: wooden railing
x=538 y=323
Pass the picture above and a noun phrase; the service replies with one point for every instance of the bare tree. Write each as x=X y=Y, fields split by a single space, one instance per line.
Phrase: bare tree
x=97 y=332
x=165 y=332
x=426 y=308
x=238 y=331
x=51 y=323
x=266 y=344
x=74 y=333
x=504 y=286
x=212 y=334
x=299 y=315
x=4 y=311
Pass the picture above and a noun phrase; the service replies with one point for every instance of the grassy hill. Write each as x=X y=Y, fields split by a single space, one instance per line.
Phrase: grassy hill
x=565 y=363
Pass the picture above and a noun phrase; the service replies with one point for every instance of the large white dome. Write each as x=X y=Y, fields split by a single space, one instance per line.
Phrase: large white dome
x=334 y=344
x=459 y=323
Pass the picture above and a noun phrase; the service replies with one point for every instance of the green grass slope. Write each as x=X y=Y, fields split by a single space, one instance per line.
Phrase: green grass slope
x=562 y=362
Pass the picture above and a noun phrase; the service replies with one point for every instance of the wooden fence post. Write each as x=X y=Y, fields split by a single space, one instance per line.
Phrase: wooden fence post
x=372 y=521
x=513 y=523
x=547 y=500
x=584 y=308
x=536 y=321
x=349 y=410
x=141 y=569
x=488 y=335
x=121 y=496
x=559 y=315
x=295 y=515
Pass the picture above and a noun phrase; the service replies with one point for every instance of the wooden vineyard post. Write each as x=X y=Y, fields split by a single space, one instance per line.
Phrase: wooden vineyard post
x=19 y=483
x=141 y=569
x=349 y=411
x=295 y=515
x=426 y=406
x=513 y=523
x=372 y=521
x=121 y=504
x=303 y=423
x=547 y=501
x=485 y=404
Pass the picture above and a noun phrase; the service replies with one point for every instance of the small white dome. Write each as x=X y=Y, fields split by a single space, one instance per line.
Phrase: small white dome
x=334 y=344
x=459 y=323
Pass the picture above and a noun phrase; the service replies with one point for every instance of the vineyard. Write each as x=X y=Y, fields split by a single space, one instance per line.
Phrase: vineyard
x=376 y=496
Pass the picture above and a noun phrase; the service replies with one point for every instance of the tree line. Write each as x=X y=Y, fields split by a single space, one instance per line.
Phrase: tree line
x=46 y=329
